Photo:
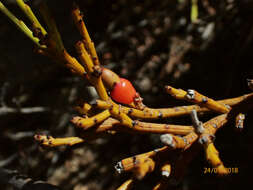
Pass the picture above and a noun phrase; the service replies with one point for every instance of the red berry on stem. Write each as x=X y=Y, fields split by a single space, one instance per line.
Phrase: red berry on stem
x=123 y=92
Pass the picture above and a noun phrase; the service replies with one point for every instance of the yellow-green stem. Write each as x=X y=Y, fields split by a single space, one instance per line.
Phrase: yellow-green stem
x=194 y=11
x=20 y=24
x=29 y=13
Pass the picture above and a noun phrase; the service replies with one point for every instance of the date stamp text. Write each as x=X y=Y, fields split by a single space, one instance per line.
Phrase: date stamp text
x=208 y=170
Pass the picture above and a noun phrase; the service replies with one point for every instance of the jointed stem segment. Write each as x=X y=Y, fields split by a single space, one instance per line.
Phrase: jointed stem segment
x=129 y=164
x=85 y=57
x=197 y=98
x=78 y=19
x=72 y=63
x=112 y=124
x=212 y=155
x=20 y=24
x=52 y=142
x=93 y=72
x=86 y=123
x=30 y=15
x=150 y=113
x=124 y=118
x=145 y=127
x=143 y=166
x=173 y=141
x=206 y=139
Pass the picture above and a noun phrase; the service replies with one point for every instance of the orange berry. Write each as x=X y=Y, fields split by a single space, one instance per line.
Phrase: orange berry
x=123 y=92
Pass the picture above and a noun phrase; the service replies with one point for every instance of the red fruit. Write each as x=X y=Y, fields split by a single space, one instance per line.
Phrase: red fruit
x=123 y=92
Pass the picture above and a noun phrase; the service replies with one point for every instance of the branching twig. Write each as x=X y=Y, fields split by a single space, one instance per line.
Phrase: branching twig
x=197 y=98
x=206 y=139
x=52 y=142
x=20 y=24
x=78 y=19
x=129 y=164
x=29 y=13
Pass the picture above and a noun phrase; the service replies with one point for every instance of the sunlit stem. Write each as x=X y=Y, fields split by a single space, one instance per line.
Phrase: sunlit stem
x=20 y=24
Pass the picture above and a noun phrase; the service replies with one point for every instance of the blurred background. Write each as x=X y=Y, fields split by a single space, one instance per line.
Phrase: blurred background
x=151 y=43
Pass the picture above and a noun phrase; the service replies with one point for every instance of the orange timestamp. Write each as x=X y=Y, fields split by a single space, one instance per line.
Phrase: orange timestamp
x=233 y=170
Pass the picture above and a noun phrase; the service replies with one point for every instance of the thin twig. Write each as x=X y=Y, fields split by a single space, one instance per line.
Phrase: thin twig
x=30 y=15
x=198 y=125
x=20 y=24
